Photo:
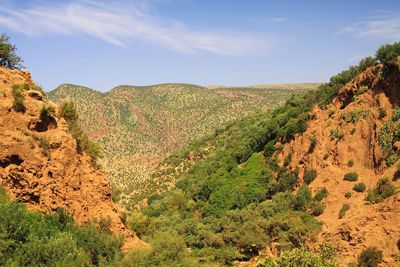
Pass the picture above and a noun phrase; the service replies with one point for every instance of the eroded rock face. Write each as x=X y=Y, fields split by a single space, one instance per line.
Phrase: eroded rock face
x=40 y=166
x=364 y=224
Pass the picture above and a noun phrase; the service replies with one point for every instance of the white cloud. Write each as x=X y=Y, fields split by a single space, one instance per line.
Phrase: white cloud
x=121 y=23
x=384 y=26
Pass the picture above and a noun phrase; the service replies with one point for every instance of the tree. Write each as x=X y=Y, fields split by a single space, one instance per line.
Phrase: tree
x=8 y=58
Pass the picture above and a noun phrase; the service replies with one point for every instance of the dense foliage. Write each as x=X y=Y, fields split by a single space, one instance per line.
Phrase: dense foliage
x=238 y=198
x=8 y=57
x=33 y=239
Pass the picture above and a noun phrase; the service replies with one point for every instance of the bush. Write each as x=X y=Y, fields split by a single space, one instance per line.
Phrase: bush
x=388 y=52
x=396 y=114
x=382 y=113
x=321 y=194
x=302 y=198
x=384 y=189
x=361 y=90
x=309 y=176
x=350 y=163
x=317 y=208
x=351 y=176
x=47 y=112
x=8 y=57
x=44 y=145
x=347 y=195
x=392 y=159
x=313 y=143
x=354 y=115
x=68 y=111
x=336 y=134
x=359 y=187
x=343 y=210
x=18 y=103
x=386 y=136
x=370 y=257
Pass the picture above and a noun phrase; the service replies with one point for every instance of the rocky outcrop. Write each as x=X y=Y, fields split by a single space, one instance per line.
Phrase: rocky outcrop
x=345 y=136
x=40 y=165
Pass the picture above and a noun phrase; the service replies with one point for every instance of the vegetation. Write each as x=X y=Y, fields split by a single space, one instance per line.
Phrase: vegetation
x=313 y=143
x=44 y=145
x=350 y=163
x=309 y=176
x=138 y=126
x=351 y=176
x=237 y=198
x=18 y=103
x=34 y=239
x=321 y=194
x=370 y=257
x=359 y=187
x=354 y=115
x=347 y=195
x=361 y=90
x=302 y=257
x=388 y=52
x=382 y=113
x=47 y=112
x=8 y=57
x=384 y=189
x=343 y=210
x=84 y=143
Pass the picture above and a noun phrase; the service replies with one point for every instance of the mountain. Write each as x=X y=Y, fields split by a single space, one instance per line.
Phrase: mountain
x=315 y=182
x=139 y=126
x=43 y=166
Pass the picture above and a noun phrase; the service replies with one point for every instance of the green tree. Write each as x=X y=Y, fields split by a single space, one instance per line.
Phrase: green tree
x=8 y=58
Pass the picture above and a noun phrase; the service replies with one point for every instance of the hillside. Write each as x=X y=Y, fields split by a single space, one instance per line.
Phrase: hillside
x=313 y=183
x=139 y=126
x=41 y=164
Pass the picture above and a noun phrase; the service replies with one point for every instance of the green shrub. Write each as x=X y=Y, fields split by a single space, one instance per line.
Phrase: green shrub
x=316 y=207
x=302 y=198
x=68 y=111
x=309 y=176
x=353 y=131
x=18 y=103
x=336 y=134
x=361 y=90
x=396 y=114
x=46 y=112
x=351 y=176
x=386 y=137
x=313 y=143
x=354 y=115
x=382 y=113
x=370 y=257
x=384 y=189
x=44 y=145
x=392 y=159
x=8 y=57
x=321 y=194
x=388 y=52
x=350 y=163
x=359 y=187
x=343 y=210
x=347 y=195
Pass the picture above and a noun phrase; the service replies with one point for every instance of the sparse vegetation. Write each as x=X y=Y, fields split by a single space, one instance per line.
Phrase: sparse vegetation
x=384 y=189
x=350 y=163
x=18 y=103
x=359 y=187
x=47 y=112
x=343 y=210
x=382 y=113
x=370 y=257
x=347 y=195
x=309 y=176
x=351 y=176
x=313 y=143
x=44 y=145
x=352 y=116
x=336 y=134
x=321 y=194
x=92 y=148
x=361 y=90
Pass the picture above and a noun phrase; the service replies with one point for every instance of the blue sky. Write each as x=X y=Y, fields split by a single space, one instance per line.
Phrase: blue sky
x=102 y=44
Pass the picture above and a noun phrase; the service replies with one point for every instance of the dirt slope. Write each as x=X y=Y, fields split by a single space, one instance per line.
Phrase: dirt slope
x=47 y=179
x=364 y=224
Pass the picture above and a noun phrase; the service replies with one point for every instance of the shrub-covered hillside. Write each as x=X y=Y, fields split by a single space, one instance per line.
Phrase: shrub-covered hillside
x=139 y=126
x=235 y=197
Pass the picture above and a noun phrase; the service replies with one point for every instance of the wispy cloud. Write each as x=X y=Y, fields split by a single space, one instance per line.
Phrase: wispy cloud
x=120 y=24
x=383 y=25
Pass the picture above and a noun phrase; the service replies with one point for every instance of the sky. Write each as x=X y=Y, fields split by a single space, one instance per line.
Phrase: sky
x=103 y=44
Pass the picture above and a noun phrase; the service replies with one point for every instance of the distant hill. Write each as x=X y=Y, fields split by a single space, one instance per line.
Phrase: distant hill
x=138 y=126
